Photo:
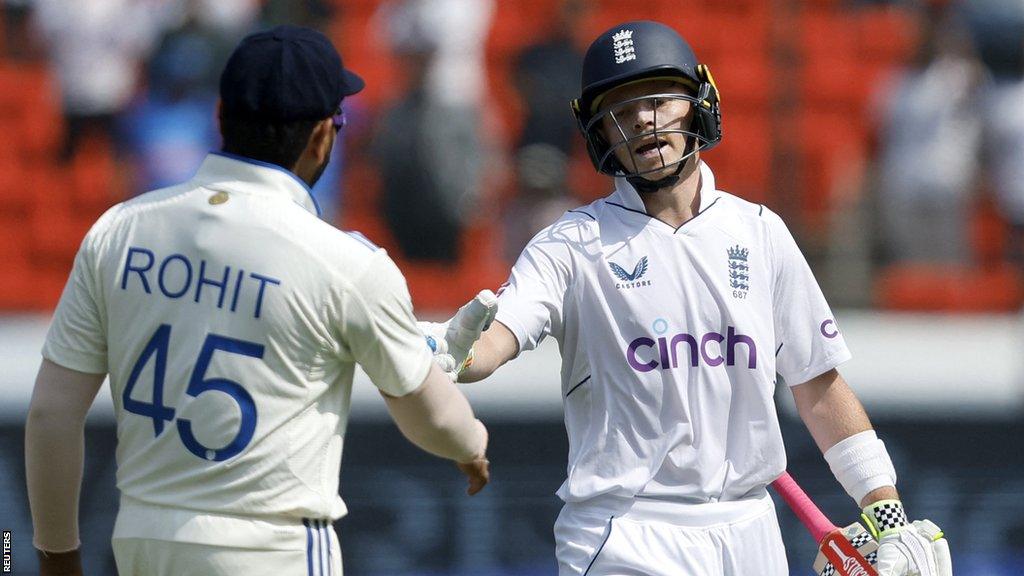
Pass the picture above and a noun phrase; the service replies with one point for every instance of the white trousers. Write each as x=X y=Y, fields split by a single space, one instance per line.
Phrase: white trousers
x=315 y=554
x=609 y=536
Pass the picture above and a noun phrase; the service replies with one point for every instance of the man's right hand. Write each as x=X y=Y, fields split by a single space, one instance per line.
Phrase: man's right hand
x=477 y=470
x=478 y=474
x=60 y=564
x=452 y=342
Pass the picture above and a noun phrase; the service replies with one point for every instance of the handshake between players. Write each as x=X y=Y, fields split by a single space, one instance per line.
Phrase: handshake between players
x=451 y=343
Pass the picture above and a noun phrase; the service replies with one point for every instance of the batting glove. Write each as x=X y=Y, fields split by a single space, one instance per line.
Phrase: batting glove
x=452 y=342
x=905 y=548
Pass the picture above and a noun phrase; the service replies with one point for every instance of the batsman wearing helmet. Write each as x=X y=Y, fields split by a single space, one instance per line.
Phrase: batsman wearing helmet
x=675 y=305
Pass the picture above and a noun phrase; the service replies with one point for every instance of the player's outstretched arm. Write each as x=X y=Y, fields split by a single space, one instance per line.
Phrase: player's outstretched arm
x=837 y=421
x=470 y=346
x=438 y=418
x=496 y=346
x=54 y=447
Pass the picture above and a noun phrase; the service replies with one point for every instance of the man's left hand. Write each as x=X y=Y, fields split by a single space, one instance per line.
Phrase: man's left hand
x=910 y=549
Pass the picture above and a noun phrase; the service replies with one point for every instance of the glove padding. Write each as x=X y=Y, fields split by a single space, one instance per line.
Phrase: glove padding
x=907 y=549
x=452 y=342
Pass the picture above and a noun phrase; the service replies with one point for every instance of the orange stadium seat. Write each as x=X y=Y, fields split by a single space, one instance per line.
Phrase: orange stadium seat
x=841 y=53
x=15 y=253
x=56 y=227
x=18 y=288
x=742 y=162
x=835 y=81
x=516 y=24
x=887 y=35
x=827 y=33
x=33 y=105
x=745 y=82
x=14 y=195
x=832 y=144
x=930 y=287
x=371 y=60
x=989 y=231
x=95 y=183
x=741 y=35
x=607 y=13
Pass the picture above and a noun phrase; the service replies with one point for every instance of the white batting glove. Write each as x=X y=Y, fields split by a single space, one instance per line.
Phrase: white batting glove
x=904 y=548
x=452 y=341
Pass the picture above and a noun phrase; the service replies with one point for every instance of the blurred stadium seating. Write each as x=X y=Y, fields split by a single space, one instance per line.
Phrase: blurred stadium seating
x=796 y=96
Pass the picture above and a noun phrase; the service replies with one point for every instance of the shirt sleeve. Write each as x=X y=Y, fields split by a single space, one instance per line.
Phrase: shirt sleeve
x=531 y=302
x=807 y=338
x=77 y=338
x=380 y=329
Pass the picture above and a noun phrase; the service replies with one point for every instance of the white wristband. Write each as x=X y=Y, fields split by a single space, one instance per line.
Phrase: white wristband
x=861 y=464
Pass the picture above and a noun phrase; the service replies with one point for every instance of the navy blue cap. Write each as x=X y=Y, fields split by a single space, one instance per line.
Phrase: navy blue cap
x=286 y=73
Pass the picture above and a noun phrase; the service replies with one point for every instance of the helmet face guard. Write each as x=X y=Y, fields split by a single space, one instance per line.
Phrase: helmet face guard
x=702 y=132
x=632 y=52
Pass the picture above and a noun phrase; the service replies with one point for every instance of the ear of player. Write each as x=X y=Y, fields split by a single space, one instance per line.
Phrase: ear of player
x=452 y=342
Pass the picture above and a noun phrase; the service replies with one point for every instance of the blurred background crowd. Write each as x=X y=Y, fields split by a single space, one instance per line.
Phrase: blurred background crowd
x=889 y=134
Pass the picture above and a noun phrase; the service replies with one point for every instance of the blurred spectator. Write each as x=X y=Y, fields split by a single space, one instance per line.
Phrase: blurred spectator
x=1004 y=106
x=170 y=129
x=95 y=48
x=17 y=42
x=429 y=144
x=998 y=31
x=320 y=15
x=547 y=77
x=311 y=13
x=930 y=138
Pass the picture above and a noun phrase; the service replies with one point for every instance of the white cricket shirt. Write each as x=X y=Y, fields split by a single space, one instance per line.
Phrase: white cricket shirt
x=671 y=340
x=230 y=319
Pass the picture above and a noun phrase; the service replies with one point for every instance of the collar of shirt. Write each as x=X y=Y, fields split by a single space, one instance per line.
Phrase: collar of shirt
x=271 y=178
x=628 y=197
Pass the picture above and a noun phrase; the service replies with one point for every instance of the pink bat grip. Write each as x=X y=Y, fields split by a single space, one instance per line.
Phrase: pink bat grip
x=808 y=513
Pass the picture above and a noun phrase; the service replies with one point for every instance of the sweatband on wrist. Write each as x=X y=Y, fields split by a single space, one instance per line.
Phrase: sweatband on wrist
x=861 y=464
x=885 y=517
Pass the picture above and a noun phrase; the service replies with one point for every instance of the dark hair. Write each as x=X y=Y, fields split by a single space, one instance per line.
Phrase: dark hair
x=279 y=143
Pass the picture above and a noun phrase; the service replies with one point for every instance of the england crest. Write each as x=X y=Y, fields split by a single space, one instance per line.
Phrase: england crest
x=739 y=271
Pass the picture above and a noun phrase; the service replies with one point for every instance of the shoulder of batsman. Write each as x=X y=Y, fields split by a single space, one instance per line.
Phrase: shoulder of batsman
x=575 y=228
x=751 y=214
x=742 y=206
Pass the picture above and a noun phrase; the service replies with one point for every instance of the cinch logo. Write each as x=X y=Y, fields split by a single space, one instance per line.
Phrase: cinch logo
x=631 y=279
x=708 y=347
x=622 y=45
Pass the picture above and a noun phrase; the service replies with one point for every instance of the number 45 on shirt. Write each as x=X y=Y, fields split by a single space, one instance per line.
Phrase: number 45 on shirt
x=197 y=384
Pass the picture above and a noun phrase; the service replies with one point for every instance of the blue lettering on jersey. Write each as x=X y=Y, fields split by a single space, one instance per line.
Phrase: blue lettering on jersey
x=176 y=275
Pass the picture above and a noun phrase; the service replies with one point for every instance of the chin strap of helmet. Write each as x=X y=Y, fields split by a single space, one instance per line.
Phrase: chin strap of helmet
x=645 y=186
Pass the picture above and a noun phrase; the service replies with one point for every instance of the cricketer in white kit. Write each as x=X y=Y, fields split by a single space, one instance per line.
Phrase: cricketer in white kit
x=675 y=305
x=230 y=319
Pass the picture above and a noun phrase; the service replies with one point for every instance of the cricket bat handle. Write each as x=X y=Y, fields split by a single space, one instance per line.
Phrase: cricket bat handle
x=806 y=510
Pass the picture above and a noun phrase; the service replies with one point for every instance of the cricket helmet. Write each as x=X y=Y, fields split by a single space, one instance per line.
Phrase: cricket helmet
x=635 y=51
